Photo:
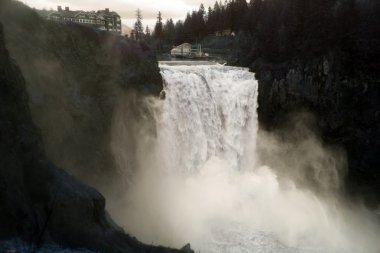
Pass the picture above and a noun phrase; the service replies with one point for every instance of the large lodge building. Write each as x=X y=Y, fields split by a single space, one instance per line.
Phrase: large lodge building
x=102 y=20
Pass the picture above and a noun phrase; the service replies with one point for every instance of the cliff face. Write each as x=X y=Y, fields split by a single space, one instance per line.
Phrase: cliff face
x=347 y=109
x=68 y=79
x=75 y=76
x=38 y=201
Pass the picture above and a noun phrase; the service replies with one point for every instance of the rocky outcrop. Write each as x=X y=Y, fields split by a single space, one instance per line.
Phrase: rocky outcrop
x=75 y=77
x=38 y=201
x=347 y=107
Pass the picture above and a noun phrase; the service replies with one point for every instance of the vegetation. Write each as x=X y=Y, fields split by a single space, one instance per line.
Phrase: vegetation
x=138 y=26
x=276 y=31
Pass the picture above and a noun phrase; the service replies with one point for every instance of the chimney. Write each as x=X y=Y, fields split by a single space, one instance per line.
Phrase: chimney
x=59 y=8
x=107 y=10
x=67 y=8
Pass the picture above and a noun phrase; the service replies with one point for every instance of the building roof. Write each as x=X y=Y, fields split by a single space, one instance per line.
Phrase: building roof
x=108 y=13
x=184 y=45
x=101 y=14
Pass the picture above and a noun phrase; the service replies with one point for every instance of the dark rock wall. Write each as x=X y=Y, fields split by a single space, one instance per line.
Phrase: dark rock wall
x=347 y=108
x=68 y=79
x=21 y=152
x=74 y=76
x=38 y=201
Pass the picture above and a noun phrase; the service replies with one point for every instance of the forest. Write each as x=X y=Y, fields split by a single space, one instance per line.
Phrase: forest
x=276 y=31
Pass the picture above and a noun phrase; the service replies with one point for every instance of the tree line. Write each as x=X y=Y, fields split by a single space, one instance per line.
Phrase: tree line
x=276 y=30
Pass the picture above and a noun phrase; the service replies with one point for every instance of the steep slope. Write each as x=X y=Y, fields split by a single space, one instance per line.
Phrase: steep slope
x=38 y=201
x=75 y=76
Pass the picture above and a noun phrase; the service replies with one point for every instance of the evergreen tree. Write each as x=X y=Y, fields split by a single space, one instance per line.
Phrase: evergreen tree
x=147 y=32
x=210 y=21
x=158 y=27
x=217 y=17
x=169 y=32
x=158 y=32
x=188 y=28
x=138 y=26
x=200 y=23
x=179 y=37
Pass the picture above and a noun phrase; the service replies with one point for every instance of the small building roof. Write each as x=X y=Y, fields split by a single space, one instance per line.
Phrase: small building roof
x=183 y=45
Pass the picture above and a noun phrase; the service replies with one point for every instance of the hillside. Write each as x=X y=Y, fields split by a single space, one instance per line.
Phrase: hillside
x=59 y=88
x=74 y=76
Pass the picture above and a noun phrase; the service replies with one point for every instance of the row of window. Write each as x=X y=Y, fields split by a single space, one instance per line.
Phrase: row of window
x=84 y=21
x=88 y=21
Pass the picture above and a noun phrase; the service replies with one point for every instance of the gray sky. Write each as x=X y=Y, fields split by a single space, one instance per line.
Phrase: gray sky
x=175 y=9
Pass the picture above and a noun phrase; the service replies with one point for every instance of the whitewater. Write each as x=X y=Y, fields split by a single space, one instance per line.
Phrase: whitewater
x=203 y=183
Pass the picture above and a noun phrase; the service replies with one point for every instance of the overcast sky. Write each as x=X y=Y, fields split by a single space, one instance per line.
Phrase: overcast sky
x=175 y=9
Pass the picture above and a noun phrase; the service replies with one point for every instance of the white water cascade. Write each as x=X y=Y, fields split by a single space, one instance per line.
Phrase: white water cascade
x=203 y=185
x=209 y=111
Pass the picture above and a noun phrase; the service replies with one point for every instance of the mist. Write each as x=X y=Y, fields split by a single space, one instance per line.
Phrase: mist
x=263 y=192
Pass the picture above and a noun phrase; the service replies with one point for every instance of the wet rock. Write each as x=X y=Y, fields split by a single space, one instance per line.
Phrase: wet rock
x=163 y=95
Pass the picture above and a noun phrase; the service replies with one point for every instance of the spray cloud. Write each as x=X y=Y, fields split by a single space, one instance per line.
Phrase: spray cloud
x=208 y=177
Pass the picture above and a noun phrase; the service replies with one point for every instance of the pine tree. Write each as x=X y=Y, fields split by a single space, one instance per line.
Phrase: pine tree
x=158 y=28
x=138 y=27
x=169 y=32
x=179 y=33
x=200 y=22
x=147 y=32
x=158 y=32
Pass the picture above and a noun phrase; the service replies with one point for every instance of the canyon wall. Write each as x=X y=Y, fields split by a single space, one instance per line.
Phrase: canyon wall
x=347 y=110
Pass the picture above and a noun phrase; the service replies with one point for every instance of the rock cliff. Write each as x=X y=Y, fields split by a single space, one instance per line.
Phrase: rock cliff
x=347 y=107
x=38 y=201
x=75 y=76
x=67 y=79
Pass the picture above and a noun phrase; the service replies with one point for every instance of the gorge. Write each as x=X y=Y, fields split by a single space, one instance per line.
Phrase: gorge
x=223 y=159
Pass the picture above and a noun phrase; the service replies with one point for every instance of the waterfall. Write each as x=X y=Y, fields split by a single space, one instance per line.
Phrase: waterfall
x=209 y=110
x=199 y=179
